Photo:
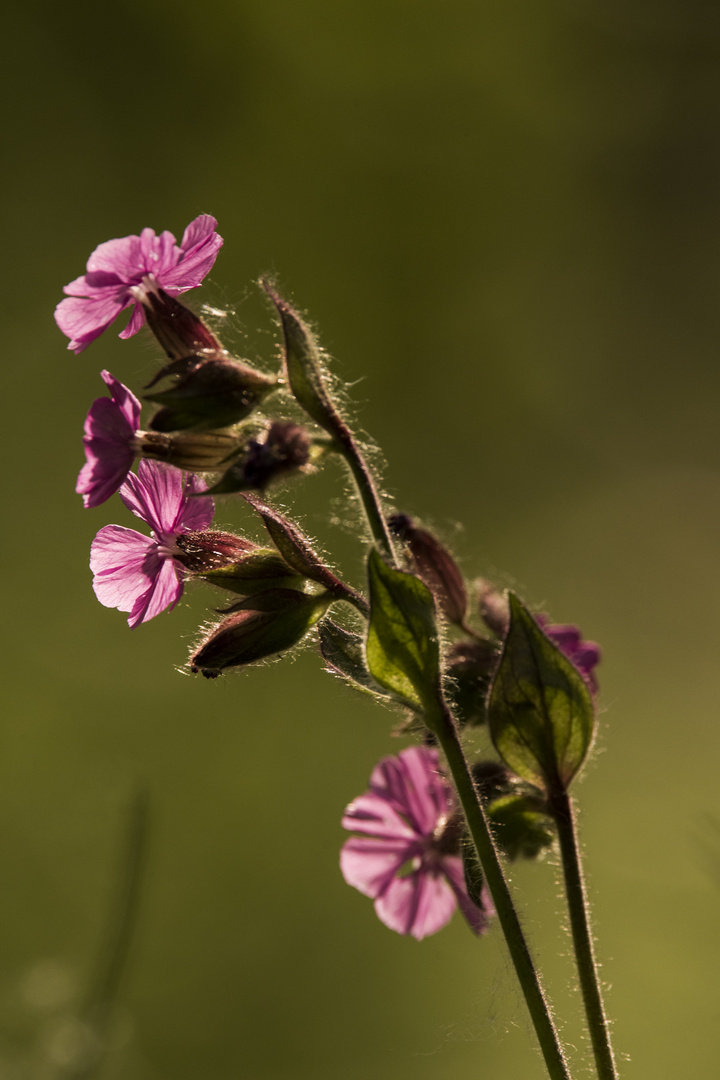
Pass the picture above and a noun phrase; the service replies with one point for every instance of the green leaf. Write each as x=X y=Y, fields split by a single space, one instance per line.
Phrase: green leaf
x=342 y=650
x=540 y=712
x=522 y=826
x=402 y=646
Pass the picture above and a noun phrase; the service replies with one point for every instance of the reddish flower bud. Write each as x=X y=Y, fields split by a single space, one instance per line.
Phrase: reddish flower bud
x=259 y=626
x=494 y=608
x=470 y=665
x=178 y=329
x=434 y=564
x=206 y=549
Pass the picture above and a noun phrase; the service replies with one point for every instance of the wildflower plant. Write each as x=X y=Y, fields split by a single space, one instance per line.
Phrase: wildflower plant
x=440 y=822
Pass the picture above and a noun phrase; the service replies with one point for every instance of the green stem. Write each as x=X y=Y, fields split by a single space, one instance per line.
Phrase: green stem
x=479 y=827
x=598 y=1026
x=369 y=495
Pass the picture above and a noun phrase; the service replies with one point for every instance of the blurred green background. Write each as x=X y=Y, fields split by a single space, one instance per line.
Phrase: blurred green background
x=505 y=220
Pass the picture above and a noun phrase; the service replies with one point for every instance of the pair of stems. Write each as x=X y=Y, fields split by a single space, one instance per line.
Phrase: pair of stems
x=479 y=827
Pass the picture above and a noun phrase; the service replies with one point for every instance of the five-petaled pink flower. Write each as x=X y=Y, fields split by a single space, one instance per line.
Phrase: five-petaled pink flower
x=138 y=573
x=407 y=856
x=116 y=270
x=109 y=439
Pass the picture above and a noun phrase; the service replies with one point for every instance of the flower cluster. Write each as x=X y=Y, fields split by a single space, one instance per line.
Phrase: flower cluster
x=408 y=851
x=194 y=431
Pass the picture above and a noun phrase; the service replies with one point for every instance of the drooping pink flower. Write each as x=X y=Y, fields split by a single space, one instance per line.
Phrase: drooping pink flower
x=407 y=857
x=118 y=267
x=110 y=429
x=137 y=573
x=585 y=655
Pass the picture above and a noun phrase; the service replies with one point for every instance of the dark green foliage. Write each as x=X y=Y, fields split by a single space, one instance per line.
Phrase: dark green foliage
x=540 y=712
x=521 y=824
x=402 y=647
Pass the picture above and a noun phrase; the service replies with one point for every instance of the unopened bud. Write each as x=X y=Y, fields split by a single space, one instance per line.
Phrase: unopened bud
x=470 y=665
x=178 y=329
x=434 y=564
x=214 y=394
x=494 y=608
x=259 y=626
x=283 y=448
x=203 y=550
x=194 y=451
x=493 y=779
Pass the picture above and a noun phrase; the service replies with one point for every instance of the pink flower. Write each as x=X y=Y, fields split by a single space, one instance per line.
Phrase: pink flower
x=117 y=268
x=137 y=573
x=110 y=429
x=585 y=655
x=407 y=858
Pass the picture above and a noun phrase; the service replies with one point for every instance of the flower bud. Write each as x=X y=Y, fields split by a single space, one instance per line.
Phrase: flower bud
x=259 y=626
x=470 y=665
x=214 y=394
x=178 y=329
x=494 y=608
x=203 y=550
x=283 y=448
x=194 y=451
x=435 y=566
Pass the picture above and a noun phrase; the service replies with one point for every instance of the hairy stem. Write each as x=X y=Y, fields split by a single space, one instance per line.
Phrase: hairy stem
x=598 y=1026
x=479 y=827
x=369 y=495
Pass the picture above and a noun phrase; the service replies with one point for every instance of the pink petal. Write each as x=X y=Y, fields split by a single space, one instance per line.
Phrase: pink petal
x=370 y=865
x=412 y=782
x=100 y=478
x=200 y=229
x=419 y=904
x=82 y=319
x=196 y=513
x=165 y=590
x=121 y=257
x=137 y=321
x=372 y=814
x=477 y=918
x=159 y=253
x=200 y=246
x=122 y=561
x=155 y=495
x=124 y=398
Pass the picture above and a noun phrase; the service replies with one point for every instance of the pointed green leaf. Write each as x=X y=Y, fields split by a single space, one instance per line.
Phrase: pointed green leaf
x=402 y=646
x=541 y=714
